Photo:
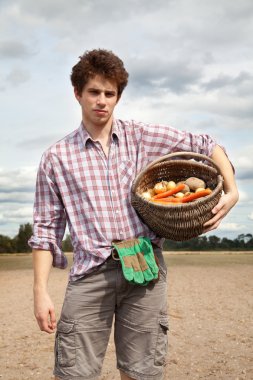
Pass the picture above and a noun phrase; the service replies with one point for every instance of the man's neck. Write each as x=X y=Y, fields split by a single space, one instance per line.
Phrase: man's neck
x=101 y=134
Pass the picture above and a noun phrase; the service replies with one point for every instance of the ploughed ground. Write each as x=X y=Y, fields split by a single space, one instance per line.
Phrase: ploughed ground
x=210 y=306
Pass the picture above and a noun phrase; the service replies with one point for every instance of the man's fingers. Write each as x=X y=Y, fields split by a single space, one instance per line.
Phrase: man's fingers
x=46 y=324
x=52 y=318
x=44 y=311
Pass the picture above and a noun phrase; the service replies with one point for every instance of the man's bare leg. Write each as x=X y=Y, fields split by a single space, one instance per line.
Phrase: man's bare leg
x=123 y=376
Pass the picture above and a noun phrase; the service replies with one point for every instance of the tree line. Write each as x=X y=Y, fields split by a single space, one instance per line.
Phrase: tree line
x=243 y=242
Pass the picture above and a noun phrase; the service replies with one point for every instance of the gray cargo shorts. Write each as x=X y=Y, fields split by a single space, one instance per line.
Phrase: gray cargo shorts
x=140 y=328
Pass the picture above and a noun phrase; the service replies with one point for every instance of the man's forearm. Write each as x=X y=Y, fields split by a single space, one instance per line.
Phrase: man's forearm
x=43 y=306
x=230 y=196
x=226 y=169
x=42 y=263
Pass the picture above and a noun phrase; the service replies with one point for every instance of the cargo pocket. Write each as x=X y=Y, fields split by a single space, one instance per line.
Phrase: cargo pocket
x=65 y=344
x=162 y=341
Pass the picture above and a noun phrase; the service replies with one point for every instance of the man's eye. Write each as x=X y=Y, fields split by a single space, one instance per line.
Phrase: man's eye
x=109 y=94
x=94 y=92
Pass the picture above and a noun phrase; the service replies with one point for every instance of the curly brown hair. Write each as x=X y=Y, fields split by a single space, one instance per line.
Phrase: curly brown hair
x=99 y=62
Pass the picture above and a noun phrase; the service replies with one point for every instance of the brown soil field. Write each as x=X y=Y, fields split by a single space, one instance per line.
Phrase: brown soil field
x=210 y=313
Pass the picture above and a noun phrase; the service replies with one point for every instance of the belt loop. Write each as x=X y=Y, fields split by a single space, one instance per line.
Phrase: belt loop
x=115 y=255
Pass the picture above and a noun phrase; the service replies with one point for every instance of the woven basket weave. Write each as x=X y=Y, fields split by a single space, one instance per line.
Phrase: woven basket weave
x=177 y=222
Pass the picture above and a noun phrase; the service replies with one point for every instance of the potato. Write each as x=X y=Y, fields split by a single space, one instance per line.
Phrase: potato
x=146 y=195
x=180 y=194
x=186 y=187
x=160 y=187
x=195 y=183
x=151 y=192
x=199 y=189
x=171 y=185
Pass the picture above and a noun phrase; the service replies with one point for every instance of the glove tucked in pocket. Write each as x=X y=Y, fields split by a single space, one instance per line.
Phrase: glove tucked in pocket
x=137 y=260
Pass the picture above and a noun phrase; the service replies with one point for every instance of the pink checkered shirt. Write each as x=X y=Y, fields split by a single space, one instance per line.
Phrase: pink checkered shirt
x=78 y=184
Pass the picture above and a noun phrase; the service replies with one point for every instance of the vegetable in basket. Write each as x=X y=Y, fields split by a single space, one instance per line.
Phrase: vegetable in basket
x=183 y=192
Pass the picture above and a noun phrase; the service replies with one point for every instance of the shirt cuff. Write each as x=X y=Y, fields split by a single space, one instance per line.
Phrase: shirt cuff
x=59 y=258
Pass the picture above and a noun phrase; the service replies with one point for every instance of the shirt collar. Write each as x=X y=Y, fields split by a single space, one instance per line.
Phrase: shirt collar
x=85 y=136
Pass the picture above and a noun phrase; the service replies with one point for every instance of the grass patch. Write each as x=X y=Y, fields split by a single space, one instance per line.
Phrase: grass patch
x=209 y=259
x=15 y=261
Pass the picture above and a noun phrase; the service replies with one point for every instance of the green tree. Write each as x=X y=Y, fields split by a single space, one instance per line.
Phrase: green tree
x=214 y=241
x=24 y=234
x=249 y=243
x=226 y=244
x=6 y=244
x=203 y=243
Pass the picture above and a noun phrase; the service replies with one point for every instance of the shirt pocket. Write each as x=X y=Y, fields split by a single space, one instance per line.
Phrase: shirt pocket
x=126 y=174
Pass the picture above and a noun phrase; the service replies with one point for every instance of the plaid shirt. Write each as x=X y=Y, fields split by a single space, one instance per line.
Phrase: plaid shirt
x=77 y=184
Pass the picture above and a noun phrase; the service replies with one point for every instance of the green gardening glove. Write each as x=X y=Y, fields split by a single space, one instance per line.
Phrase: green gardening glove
x=137 y=260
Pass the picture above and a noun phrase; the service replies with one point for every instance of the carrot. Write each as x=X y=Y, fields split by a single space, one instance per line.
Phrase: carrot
x=167 y=200
x=193 y=196
x=171 y=199
x=166 y=194
x=163 y=202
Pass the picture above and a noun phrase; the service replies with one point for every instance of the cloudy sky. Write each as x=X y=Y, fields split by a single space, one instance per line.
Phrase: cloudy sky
x=190 y=65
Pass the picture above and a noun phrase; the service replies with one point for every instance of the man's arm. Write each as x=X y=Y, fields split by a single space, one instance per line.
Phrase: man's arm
x=43 y=306
x=230 y=197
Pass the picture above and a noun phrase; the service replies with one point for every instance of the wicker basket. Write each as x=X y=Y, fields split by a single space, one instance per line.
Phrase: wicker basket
x=181 y=221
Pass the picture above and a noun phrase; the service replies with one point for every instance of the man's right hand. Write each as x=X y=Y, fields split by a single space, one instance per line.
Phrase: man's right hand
x=44 y=311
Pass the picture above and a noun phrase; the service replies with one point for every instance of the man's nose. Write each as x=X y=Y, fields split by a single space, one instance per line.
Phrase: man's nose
x=101 y=98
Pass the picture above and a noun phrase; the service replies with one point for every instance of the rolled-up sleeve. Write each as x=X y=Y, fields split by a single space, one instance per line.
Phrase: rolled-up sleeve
x=49 y=214
x=162 y=139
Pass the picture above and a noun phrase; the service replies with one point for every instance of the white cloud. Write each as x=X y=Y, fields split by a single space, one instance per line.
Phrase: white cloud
x=240 y=84
x=16 y=197
x=14 y=214
x=21 y=180
x=231 y=227
x=245 y=162
x=170 y=75
x=244 y=195
x=13 y=49
x=18 y=76
x=39 y=142
x=19 y=215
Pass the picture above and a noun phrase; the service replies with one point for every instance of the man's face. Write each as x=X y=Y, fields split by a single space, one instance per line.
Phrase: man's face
x=98 y=99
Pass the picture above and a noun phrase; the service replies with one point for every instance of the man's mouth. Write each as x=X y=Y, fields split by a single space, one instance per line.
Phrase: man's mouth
x=100 y=112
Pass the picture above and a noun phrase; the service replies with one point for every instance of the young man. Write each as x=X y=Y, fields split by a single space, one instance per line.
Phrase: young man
x=85 y=180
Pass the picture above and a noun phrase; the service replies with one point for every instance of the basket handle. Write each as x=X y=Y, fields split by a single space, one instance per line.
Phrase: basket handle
x=189 y=155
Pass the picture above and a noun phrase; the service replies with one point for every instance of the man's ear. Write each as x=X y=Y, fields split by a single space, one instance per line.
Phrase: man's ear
x=76 y=94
